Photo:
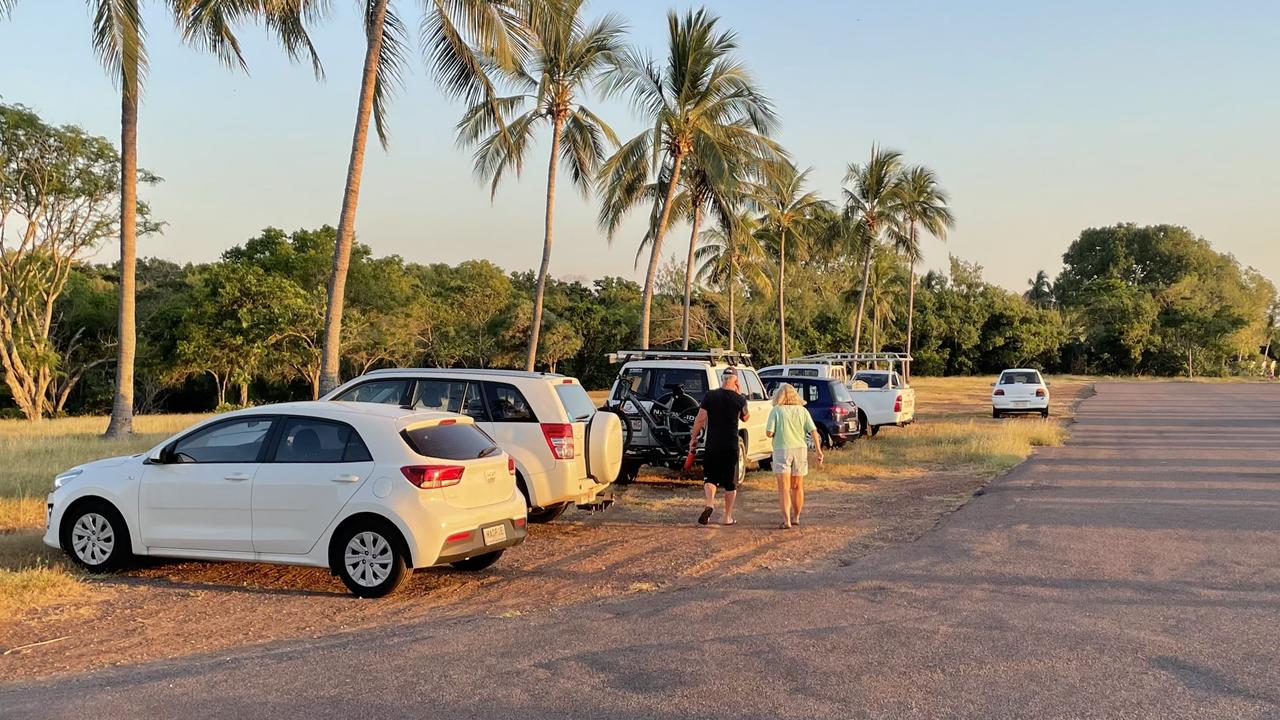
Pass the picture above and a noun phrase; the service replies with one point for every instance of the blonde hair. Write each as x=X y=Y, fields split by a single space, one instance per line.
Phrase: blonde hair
x=786 y=394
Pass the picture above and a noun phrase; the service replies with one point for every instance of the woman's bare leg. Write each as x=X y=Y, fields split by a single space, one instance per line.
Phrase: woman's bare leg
x=784 y=499
x=797 y=496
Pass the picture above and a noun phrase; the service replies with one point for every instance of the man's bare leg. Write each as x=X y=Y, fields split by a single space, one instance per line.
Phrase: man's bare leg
x=729 y=497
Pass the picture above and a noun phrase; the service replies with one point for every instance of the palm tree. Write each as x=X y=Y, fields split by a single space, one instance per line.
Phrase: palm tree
x=1040 y=290
x=565 y=56
x=119 y=39
x=785 y=209
x=921 y=204
x=729 y=253
x=872 y=202
x=462 y=39
x=702 y=93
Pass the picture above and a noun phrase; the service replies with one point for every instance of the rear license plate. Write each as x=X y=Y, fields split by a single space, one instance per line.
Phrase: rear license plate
x=494 y=535
x=1020 y=403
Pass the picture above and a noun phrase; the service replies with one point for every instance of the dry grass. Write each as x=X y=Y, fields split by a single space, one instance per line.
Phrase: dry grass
x=33 y=575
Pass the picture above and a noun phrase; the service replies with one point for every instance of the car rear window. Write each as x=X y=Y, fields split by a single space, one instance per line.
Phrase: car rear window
x=873 y=380
x=1020 y=378
x=840 y=393
x=577 y=403
x=653 y=383
x=460 y=441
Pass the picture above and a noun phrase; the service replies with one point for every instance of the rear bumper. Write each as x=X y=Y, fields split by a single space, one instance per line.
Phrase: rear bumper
x=841 y=431
x=474 y=545
x=1028 y=405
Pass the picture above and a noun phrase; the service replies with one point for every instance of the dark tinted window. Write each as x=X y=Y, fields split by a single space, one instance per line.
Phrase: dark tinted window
x=460 y=441
x=805 y=372
x=357 y=451
x=577 y=403
x=456 y=396
x=653 y=383
x=237 y=441
x=809 y=391
x=751 y=384
x=307 y=440
x=1020 y=378
x=770 y=373
x=386 y=392
x=508 y=404
x=873 y=380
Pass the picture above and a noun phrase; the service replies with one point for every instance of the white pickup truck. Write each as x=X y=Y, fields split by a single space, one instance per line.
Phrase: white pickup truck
x=881 y=395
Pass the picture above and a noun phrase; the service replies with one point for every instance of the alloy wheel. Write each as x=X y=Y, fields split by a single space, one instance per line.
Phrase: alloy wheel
x=93 y=539
x=368 y=559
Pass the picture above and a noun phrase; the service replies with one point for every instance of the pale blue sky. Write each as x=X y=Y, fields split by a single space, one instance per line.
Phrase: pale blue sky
x=1041 y=118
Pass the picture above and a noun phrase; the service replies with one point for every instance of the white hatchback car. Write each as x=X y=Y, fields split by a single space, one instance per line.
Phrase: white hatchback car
x=1020 y=390
x=368 y=491
x=566 y=453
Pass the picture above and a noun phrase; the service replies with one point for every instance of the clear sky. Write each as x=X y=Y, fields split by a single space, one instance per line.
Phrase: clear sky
x=1041 y=118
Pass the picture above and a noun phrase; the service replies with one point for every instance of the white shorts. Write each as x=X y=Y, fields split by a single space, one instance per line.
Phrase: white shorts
x=791 y=461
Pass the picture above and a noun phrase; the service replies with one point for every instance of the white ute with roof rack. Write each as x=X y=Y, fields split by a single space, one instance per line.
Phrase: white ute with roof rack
x=658 y=392
x=566 y=452
x=883 y=397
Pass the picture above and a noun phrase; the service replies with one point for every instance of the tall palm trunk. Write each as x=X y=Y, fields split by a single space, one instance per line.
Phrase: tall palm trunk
x=862 y=296
x=911 y=305
x=782 y=301
x=655 y=253
x=122 y=404
x=330 y=355
x=531 y=357
x=733 y=271
x=688 y=277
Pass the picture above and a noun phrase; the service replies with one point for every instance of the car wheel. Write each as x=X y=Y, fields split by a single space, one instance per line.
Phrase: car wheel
x=766 y=463
x=369 y=559
x=547 y=514
x=825 y=437
x=479 y=562
x=875 y=430
x=995 y=413
x=1044 y=413
x=740 y=471
x=95 y=536
x=627 y=475
x=863 y=428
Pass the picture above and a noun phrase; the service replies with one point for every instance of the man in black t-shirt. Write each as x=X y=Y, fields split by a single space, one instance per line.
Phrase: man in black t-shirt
x=719 y=414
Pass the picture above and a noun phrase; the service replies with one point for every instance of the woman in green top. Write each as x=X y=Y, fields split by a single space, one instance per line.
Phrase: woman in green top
x=791 y=428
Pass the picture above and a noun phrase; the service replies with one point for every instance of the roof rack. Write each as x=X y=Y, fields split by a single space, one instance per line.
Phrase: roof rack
x=861 y=358
x=728 y=357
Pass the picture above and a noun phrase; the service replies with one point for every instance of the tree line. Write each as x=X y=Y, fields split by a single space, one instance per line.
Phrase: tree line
x=707 y=157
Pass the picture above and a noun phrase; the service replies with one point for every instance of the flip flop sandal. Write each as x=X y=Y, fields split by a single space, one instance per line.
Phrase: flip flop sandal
x=784 y=526
x=705 y=516
x=731 y=522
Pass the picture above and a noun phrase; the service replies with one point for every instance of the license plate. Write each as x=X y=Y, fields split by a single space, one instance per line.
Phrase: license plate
x=636 y=424
x=1020 y=403
x=494 y=535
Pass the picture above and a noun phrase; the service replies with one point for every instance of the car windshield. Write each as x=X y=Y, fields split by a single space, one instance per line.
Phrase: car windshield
x=577 y=403
x=873 y=380
x=840 y=393
x=1020 y=378
x=653 y=383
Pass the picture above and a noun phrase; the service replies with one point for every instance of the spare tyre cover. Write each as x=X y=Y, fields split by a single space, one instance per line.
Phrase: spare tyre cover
x=604 y=447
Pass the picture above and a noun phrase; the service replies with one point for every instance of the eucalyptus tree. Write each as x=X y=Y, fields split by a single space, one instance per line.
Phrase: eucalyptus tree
x=731 y=253
x=785 y=209
x=699 y=93
x=566 y=55
x=922 y=204
x=119 y=40
x=872 y=200
x=462 y=40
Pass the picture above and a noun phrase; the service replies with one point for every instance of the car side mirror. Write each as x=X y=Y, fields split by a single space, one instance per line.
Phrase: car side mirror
x=164 y=457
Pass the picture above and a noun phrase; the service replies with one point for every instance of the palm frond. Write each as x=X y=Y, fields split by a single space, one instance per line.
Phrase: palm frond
x=119 y=40
x=392 y=61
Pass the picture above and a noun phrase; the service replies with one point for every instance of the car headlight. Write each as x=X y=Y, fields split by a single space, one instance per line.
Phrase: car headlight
x=66 y=477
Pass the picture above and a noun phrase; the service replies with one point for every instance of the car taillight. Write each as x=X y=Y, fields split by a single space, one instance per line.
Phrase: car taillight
x=1039 y=392
x=560 y=439
x=998 y=392
x=838 y=412
x=897 y=404
x=431 y=477
x=511 y=465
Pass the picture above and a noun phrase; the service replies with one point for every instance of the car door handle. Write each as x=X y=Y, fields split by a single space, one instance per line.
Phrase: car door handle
x=237 y=477
x=346 y=478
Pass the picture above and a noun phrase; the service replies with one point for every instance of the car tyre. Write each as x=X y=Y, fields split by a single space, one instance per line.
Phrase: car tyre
x=547 y=514
x=627 y=475
x=1044 y=413
x=479 y=562
x=370 y=558
x=740 y=471
x=995 y=413
x=95 y=536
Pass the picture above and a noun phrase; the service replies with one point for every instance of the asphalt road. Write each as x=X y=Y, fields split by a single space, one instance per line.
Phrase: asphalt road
x=1134 y=573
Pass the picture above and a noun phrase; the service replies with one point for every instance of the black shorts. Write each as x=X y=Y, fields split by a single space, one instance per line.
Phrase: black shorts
x=720 y=468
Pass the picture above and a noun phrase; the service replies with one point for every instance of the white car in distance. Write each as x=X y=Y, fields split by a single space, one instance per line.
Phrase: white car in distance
x=369 y=491
x=1020 y=390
